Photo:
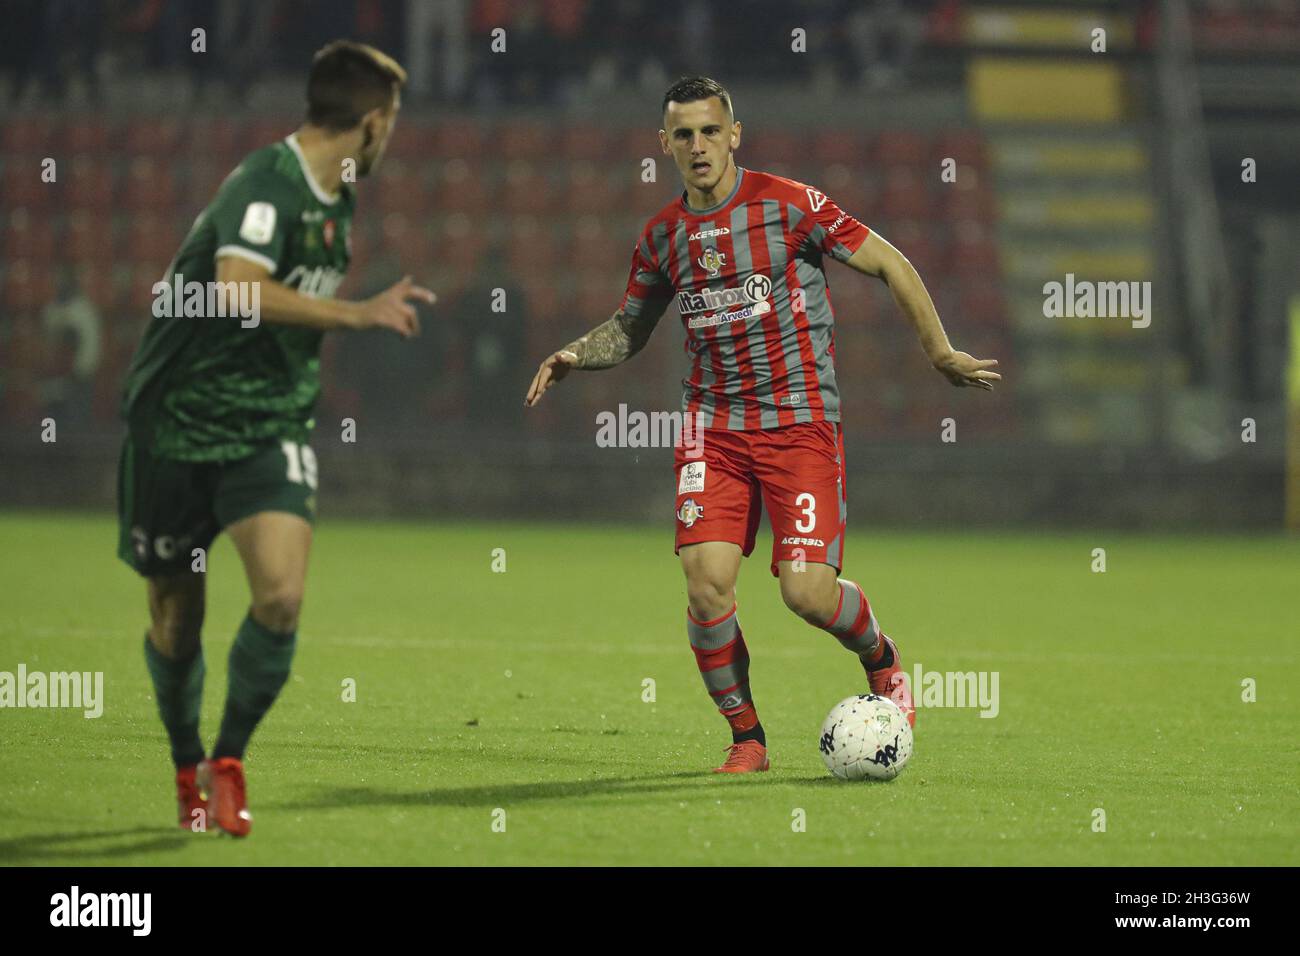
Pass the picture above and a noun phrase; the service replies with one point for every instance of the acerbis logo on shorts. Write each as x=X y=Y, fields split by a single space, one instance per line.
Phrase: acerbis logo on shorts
x=810 y=542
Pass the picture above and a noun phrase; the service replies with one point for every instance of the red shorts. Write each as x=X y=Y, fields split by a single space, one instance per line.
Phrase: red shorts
x=797 y=472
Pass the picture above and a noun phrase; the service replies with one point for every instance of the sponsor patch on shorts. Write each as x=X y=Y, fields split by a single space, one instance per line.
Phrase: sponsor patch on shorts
x=691 y=481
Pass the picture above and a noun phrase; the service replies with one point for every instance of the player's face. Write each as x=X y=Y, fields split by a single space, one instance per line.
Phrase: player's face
x=700 y=137
x=379 y=127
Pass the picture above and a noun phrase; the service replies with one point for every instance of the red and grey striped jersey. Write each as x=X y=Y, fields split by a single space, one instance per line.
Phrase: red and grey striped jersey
x=749 y=281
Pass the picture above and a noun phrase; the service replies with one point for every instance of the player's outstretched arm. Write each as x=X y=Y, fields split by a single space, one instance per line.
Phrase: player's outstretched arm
x=876 y=257
x=390 y=309
x=612 y=342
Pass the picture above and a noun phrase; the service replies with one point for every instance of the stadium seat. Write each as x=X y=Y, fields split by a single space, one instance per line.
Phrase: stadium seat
x=29 y=134
x=905 y=195
x=900 y=148
x=459 y=139
x=90 y=184
x=461 y=188
x=88 y=237
x=524 y=140
x=840 y=146
x=149 y=184
x=579 y=142
x=86 y=136
x=157 y=137
x=965 y=146
x=527 y=191
x=28 y=235
x=21 y=184
x=589 y=189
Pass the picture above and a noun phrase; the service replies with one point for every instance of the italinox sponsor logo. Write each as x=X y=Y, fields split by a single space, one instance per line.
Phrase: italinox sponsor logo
x=750 y=297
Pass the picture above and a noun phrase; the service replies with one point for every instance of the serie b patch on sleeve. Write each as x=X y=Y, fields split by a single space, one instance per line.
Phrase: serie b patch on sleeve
x=691 y=481
x=258 y=226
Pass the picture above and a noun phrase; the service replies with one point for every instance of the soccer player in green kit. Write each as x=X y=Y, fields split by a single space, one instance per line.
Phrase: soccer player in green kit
x=219 y=412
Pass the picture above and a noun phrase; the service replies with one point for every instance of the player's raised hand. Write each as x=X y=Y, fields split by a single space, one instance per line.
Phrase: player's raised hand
x=392 y=308
x=553 y=368
x=963 y=369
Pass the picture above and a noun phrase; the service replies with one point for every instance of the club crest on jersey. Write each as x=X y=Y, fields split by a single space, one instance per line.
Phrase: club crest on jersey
x=690 y=512
x=817 y=198
x=712 y=261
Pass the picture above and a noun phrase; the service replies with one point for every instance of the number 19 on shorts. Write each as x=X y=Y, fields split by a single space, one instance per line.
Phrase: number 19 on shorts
x=302 y=463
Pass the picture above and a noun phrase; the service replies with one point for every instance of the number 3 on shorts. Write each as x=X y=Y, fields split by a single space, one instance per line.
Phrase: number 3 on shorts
x=809 y=505
x=302 y=463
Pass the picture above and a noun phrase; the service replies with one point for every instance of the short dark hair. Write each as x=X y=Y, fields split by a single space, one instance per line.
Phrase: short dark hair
x=347 y=81
x=688 y=89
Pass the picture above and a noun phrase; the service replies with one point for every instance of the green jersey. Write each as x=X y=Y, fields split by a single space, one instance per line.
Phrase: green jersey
x=206 y=387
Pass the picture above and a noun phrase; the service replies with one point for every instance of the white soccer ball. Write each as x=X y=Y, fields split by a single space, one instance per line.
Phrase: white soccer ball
x=866 y=737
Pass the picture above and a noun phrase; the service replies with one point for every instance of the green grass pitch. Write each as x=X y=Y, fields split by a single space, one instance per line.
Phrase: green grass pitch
x=523 y=691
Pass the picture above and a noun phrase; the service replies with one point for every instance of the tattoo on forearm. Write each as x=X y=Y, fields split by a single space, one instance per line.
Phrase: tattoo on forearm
x=613 y=341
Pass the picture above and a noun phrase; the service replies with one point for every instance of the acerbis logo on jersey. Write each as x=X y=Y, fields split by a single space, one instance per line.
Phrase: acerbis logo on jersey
x=708 y=234
x=816 y=197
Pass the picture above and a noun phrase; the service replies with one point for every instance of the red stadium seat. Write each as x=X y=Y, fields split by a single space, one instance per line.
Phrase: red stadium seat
x=582 y=142
x=461 y=188
x=159 y=137
x=28 y=235
x=149 y=184
x=524 y=140
x=34 y=134
x=151 y=240
x=28 y=285
x=595 y=251
x=88 y=238
x=905 y=195
x=965 y=146
x=22 y=185
x=772 y=146
x=461 y=139
x=219 y=141
x=840 y=146
x=87 y=136
x=975 y=250
x=402 y=186
x=901 y=148
x=527 y=192
x=460 y=247
x=532 y=253
x=587 y=188
x=90 y=184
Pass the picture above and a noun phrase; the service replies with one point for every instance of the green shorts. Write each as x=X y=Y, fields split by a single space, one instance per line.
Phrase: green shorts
x=167 y=508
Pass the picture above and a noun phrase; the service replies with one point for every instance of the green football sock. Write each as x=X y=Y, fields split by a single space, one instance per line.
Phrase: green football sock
x=178 y=688
x=259 y=666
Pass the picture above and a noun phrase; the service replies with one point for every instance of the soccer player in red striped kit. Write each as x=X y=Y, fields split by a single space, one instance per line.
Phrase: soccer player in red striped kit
x=742 y=254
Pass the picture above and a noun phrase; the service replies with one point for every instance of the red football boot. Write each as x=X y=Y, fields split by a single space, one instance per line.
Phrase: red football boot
x=890 y=682
x=748 y=756
x=189 y=799
x=222 y=779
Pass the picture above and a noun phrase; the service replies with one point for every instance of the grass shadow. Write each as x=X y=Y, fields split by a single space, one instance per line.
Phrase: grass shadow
x=497 y=795
x=55 y=848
